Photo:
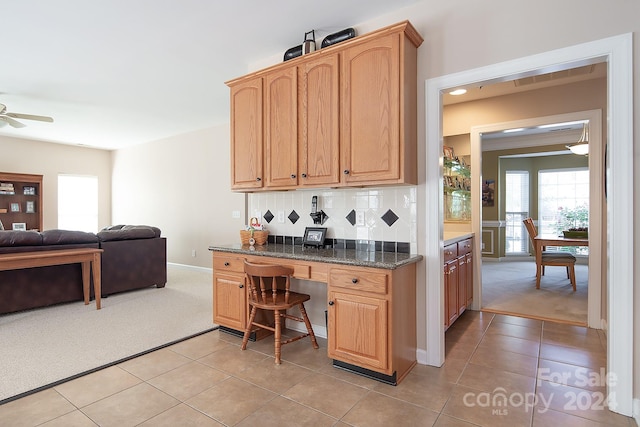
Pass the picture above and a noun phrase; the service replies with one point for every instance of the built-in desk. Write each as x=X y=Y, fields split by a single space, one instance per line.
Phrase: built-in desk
x=371 y=301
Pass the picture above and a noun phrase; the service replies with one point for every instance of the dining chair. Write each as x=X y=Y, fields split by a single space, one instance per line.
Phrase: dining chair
x=269 y=290
x=551 y=258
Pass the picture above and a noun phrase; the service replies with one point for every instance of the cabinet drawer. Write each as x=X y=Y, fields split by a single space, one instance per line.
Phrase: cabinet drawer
x=450 y=252
x=464 y=247
x=226 y=263
x=359 y=280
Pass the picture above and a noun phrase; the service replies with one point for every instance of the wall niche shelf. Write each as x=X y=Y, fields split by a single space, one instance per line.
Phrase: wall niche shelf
x=457 y=188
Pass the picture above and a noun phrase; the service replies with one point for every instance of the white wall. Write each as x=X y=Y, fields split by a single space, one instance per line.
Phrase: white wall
x=50 y=160
x=181 y=185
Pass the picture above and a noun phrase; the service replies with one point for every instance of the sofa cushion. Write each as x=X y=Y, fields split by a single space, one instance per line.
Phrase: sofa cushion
x=67 y=237
x=128 y=232
x=20 y=238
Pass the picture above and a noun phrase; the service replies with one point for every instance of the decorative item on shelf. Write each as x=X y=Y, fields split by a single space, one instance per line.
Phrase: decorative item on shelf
x=29 y=190
x=15 y=207
x=254 y=233
x=19 y=226
x=1 y=225
x=30 y=207
x=340 y=36
x=7 y=188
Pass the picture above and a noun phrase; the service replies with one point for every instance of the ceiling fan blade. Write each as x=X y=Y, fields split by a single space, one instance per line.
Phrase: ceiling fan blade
x=12 y=122
x=30 y=117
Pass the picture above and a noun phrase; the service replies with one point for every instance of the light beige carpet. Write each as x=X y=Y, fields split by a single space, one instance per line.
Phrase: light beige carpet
x=43 y=346
x=510 y=287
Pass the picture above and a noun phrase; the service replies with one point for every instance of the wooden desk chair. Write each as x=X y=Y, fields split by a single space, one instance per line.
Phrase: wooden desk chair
x=559 y=259
x=265 y=294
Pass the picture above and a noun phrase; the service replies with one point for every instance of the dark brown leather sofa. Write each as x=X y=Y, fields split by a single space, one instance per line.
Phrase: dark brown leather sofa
x=134 y=257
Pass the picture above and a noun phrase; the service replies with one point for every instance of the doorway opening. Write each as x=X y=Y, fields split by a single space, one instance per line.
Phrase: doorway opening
x=618 y=54
x=583 y=306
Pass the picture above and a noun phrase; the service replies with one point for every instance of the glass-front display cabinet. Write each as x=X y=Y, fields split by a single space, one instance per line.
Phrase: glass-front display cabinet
x=457 y=187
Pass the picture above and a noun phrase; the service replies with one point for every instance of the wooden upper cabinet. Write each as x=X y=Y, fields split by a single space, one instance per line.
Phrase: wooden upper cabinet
x=378 y=105
x=281 y=128
x=319 y=122
x=246 y=135
x=371 y=111
x=343 y=115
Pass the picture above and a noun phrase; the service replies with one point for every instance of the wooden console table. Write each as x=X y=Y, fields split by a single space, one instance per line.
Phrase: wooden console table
x=89 y=258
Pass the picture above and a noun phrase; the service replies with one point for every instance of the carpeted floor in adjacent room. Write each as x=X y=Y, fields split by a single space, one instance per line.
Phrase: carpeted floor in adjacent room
x=43 y=346
x=510 y=287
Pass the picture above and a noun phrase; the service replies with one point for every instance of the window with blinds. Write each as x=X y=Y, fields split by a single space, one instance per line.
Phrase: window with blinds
x=516 y=210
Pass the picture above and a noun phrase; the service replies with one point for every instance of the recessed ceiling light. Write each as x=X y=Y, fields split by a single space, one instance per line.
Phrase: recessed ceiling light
x=458 y=92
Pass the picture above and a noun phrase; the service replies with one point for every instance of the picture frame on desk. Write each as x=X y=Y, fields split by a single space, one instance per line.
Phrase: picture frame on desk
x=314 y=236
x=15 y=207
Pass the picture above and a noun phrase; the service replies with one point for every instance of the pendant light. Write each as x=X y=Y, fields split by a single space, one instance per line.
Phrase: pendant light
x=582 y=146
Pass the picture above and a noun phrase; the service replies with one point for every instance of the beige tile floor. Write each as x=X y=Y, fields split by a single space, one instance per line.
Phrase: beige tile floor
x=499 y=371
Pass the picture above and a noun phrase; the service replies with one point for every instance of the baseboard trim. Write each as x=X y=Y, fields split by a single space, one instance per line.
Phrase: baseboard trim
x=636 y=411
x=191 y=267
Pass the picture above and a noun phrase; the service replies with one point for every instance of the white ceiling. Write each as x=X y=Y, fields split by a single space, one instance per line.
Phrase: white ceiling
x=122 y=72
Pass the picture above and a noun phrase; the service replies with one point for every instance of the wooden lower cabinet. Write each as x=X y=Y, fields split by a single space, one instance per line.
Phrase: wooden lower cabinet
x=230 y=307
x=372 y=319
x=458 y=279
x=371 y=311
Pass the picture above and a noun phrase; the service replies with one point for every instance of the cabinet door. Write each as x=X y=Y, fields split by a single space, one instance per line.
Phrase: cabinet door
x=462 y=284
x=281 y=128
x=451 y=291
x=229 y=301
x=358 y=330
x=469 y=266
x=246 y=135
x=371 y=111
x=319 y=122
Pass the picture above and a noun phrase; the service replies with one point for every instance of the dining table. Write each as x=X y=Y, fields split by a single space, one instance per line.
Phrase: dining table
x=542 y=241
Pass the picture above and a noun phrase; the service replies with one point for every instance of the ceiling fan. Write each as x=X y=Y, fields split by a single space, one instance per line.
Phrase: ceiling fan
x=10 y=118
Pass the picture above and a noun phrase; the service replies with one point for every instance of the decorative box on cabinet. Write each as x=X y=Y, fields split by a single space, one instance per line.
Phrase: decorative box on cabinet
x=21 y=200
x=343 y=115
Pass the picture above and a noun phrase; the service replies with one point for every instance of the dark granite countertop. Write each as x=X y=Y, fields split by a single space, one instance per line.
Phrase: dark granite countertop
x=387 y=260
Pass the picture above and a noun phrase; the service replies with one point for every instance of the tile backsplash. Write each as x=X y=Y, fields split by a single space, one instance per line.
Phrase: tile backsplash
x=382 y=214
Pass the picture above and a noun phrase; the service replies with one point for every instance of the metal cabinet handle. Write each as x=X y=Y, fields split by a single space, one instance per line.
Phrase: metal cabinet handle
x=258 y=179
x=346 y=171
x=330 y=302
x=293 y=175
x=304 y=175
x=241 y=286
x=354 y=280
x=226 y=264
